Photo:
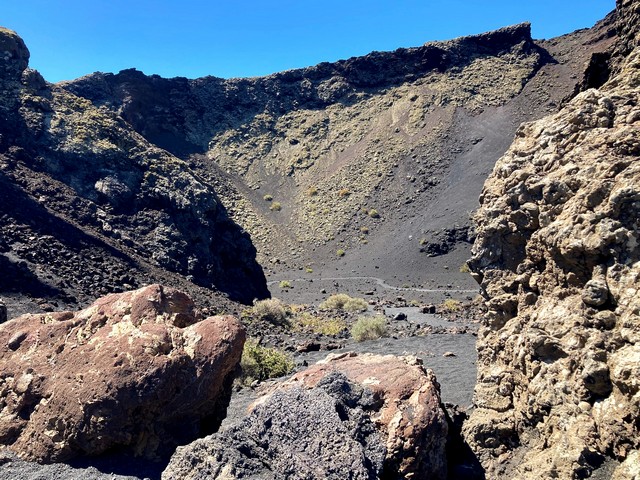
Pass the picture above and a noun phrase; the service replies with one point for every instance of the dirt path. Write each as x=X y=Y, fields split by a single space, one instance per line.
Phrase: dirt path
x=383 y=284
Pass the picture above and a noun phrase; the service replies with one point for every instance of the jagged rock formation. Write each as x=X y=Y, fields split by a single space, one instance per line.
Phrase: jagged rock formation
x=80 y=190
x=136 y=372
x=349 y=416
x=411 y=134
x=558 y=259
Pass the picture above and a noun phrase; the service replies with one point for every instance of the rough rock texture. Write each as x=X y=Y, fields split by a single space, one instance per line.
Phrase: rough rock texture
x=138 y=371
x=408 y=415
x=13 y=468
x=297 y=433
x=82 y=175
x=411 y=134
x=349 y=416
x=558 y=259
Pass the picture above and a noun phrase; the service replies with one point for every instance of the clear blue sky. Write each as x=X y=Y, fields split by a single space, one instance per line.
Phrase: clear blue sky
x=244 y=38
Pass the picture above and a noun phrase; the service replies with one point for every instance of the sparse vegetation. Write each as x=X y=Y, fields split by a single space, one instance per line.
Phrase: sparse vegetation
x=260 y=363
x=275 y=207
x=267 y=198
x=342 y=301
x=308 y=269
x=464 y=268
x=423 y=242
x=284 y=284
x=340 y=252
x=364 y=230
x=451 y=305
x=344 y=192
x=373 y=213
x=271 y=310
x=369 y=328
x=312 y=192
x=318 y=325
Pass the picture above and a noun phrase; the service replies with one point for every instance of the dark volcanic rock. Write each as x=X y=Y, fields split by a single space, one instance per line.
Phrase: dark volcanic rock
x=407 y=410
x=298 y=433
x=83 y=167
x=349 y=416
x=138 y=371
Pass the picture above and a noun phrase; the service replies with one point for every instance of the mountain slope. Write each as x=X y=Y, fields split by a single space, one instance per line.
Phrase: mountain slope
x=90 y=206
x=410 y=134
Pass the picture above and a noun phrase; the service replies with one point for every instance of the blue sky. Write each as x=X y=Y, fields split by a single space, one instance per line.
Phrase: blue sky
x=245 y=38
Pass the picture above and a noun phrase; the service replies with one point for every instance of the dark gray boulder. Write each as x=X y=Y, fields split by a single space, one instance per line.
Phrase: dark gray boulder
x=296 y=433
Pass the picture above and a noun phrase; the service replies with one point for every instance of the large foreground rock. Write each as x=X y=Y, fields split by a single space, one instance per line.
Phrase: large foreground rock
x=350 y=416
x=138 y=371
x=558 y=258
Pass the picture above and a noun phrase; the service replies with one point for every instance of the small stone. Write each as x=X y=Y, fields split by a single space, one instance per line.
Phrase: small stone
x=431 y=309
x=400 y=316
x=584 y=406
x=449 y=354
x=595 y=292
x=15 y=341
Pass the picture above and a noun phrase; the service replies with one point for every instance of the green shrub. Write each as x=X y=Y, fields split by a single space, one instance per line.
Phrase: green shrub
x=342 y=301
x=369 y=328
x=313 y=191
x=285 y=284
x=324 y=326
x=268 y=197
x=275 y=207
x=308 y=270
x=272 y=310
x=364 y=230
x=344 y=192
x=373 y=213
x=464 y=268
x=260 y=363
x=451 y=305
x=340 y=252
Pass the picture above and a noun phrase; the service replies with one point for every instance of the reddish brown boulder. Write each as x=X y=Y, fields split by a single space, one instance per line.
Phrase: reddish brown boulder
x=139 y=371
x=408 y=413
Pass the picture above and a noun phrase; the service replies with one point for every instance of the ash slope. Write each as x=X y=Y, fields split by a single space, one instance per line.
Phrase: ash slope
x=88 y=206
x=411 y=134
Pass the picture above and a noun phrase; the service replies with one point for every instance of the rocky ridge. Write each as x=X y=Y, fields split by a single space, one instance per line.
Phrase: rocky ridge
x=81 y=190
x=558 y=260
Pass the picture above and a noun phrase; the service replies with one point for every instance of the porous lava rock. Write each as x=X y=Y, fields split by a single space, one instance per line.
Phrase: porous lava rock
x=349 y=416
x=296 y=433
x=558 y=260
x=139 y=371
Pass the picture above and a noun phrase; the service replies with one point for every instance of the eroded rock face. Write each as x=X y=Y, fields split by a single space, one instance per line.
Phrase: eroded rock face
x=139 y=371
x=139 y=204
x=350 y=416
x=558 y=258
